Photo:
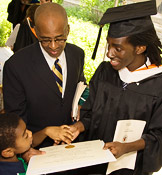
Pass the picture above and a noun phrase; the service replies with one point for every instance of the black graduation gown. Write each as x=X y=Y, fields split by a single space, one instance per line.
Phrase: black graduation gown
x=108 y=102
x=24 y=38
x=15 y=15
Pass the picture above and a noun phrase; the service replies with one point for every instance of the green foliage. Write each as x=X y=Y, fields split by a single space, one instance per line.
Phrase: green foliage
x=5 y=26
x=58 y=1
x=94 y=9
x=77 y=12
x=84 y=34
x=5 y=30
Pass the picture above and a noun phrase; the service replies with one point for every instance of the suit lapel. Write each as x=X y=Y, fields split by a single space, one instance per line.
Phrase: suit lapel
x=42 y=69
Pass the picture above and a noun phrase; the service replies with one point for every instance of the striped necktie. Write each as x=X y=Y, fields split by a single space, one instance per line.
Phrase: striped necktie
x=57 y=70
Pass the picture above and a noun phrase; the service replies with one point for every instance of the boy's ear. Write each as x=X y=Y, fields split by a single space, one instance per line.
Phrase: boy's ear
x=140 y=49
x=8 y=152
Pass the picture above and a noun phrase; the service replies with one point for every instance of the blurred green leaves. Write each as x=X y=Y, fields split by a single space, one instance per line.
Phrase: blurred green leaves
x=5 y=26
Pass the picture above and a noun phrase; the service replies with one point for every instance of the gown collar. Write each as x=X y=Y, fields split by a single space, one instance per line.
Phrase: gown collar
x=139 y=74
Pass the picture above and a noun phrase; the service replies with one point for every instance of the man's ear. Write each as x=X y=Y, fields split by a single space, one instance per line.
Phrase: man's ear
x=68 y=29
x=140 y=49
x=36 y=31
x=8 y=152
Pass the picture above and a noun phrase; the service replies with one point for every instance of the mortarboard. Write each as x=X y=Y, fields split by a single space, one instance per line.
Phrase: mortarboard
x=127 y=20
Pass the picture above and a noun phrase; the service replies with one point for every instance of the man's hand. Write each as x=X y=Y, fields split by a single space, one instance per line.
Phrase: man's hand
x=31 y=152
x=76 y=129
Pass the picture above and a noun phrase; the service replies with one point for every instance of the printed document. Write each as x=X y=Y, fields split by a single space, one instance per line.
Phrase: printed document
x=126 y=131
x=66 y=157
x=79 y=90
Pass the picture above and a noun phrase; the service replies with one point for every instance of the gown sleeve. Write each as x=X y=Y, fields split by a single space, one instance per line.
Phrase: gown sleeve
x=152 y=154
x=87 y=108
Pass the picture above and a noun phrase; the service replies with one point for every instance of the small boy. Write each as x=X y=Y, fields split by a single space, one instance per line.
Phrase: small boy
x=14 y=139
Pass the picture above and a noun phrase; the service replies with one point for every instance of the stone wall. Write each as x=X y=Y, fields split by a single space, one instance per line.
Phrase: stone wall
x=71 y=3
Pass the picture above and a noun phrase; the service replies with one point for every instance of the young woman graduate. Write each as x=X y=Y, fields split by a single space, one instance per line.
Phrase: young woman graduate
x=129 y=86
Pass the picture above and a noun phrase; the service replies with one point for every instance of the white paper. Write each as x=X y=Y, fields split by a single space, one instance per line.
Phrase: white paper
x=5 y=54
x=59 y=158
x=79 y=90
x=11 y=40
x=126 y=131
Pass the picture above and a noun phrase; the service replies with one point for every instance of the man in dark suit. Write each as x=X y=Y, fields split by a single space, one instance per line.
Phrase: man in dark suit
x=29 y=85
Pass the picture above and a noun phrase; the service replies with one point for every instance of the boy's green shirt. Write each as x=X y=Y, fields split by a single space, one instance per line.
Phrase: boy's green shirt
x=24 y=164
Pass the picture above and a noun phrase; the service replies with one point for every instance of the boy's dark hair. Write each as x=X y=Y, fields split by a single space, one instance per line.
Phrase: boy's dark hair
x=8 y=125
x=152 y=42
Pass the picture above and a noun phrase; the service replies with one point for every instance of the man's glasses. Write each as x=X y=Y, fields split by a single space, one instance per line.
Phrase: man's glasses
x=49 y=41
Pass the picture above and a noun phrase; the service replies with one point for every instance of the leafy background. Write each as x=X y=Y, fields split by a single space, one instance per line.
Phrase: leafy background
x=83 y=30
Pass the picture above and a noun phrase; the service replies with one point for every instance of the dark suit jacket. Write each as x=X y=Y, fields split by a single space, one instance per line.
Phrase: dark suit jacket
x=30 y=89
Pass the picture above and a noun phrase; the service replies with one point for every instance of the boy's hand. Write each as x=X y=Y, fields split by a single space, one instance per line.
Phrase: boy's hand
x=31 y=152
x=75 y=131
x=59 y=134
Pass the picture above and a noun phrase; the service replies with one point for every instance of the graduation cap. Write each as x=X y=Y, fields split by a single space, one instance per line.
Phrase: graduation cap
x=127 y=20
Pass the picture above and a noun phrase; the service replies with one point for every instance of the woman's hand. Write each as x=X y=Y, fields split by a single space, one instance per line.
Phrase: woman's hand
x=117 y=148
